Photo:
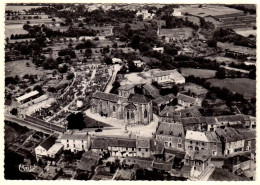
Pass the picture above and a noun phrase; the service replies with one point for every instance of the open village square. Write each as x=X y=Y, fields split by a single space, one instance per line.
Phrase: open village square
x=130 y=92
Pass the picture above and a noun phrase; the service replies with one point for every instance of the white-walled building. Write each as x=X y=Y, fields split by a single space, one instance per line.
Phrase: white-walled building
x=75 y=141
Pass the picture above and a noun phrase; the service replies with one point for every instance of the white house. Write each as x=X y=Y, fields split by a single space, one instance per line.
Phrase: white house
x=75 y=141
x=159 y=49
x=116 y=61
x=48 y=148
x=138 y=63
x=172 y=76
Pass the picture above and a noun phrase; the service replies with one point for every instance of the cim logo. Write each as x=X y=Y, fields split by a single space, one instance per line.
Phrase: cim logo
x=26 y=168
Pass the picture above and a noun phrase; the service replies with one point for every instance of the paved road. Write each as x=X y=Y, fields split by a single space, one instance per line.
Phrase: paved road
x=116 y=67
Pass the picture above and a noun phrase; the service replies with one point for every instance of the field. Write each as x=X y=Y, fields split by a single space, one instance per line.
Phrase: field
x=177 y=32
x=207 y=10
x=202 y=73
x=245 y=31
x=20 y=8
x=226 y=60
x=235 y=48
x=196 y=89
x=244 y=86
x=14 y=29
x=19 y=68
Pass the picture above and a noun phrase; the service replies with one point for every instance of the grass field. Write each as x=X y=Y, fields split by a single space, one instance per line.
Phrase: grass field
x=244 y=86
x=177 y=32
x=19 y=68
x=235 y=48
x=221 y=59
x=245 y=31
x=208 y=10
x=14 y=29
x=202 y=73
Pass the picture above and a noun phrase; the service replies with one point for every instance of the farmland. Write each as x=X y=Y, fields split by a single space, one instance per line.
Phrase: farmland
x=212 y=10
x=19 y=68
x=244 y=86
x=202 y=73
x=240 y=49
x=221 y=59
x=177 y=32
x=245 y=31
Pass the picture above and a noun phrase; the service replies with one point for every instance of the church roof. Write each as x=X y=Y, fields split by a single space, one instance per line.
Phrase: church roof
x=105 y=96
x=131 y=106
x=138 y=98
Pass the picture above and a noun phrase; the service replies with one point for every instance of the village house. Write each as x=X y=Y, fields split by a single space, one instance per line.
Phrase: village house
x=137 y=109
x=188 y=101
x=161 y=101
x=171 y=135
x=194 y=123
x=27 y=97
x=159 y=49
x=195 y=140
x=169 y=114
x=200 y=162
x=250 y=139
x=211 y=123
x=189 y=112
x=169 y=76
x=75 y=141
x=143 y=147
x=138 y=63
x=231 y=120
x=231 y=139
x=145 y=14
x=48 y=148
x=150 y=90
x=116 y=61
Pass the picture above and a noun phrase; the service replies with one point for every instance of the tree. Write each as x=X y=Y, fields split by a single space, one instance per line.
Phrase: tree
x=70 y=76
x=88 y=53
x=38 y=88
x=14 y=111
x=221 y=73
x=212 y=43
x=135 y=41
x=76 y=121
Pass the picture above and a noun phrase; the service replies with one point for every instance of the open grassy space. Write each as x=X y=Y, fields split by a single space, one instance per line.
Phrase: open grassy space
x=177 y=32
x=235 y=48
x=14 y=29
x=245 y=31
x=202 y=73
x=221 y=59
x=19 y=68
x=208 y=10
x=244 y=86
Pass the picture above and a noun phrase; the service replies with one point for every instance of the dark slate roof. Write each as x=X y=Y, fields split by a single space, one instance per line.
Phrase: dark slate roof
x=174 y=129
x=75 y=136
x=168 y=111
x=164 y=99
x=230 y=118
x=142 y=143
x=130 y=106
x=104 y=143
x=247 y=134
x=230 y=134
x=154 y=92
x=105 y=96
x=190 y=112
x=186 y=98
x=212 y=137
x=211 y=120
x=177 y=153
x=48 y=143
x=138 y=98
x=192 y=120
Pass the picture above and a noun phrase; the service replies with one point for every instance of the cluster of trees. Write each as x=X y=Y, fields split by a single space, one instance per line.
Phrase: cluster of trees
x=225 y=94
x=76 y=121
x=175 y=22
x=85 y=44
x=21 y=36
x=67 y=52
x=228 y=35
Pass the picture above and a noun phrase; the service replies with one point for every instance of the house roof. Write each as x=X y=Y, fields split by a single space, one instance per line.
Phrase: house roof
x=75 y=136
x=186 y=98
x=190 y=112
x=150 y=88
x=48 y=143
x=196 y=135
x=142 y=143
x=105 y=96
x=230 y=118
x=177 y=153
x=247 y=134
x=201 y=155
x=191 y=120
x=138 y=98
x=126 y=87
x=130 y=106
x=168 y=111
x=229 y=134
x=212 y=137
x=28 y=95
x=163 y=73
x=105 y=142
x=173 y=129
x=211 y=120
x=164 y=99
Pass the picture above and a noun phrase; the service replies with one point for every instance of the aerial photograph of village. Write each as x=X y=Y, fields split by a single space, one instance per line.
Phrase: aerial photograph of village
x=130 y=92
